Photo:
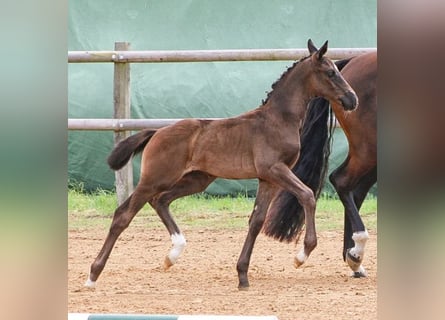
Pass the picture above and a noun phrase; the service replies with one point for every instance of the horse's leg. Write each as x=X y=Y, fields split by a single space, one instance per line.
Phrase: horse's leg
x=352 y=187
x=121 y=219
x=358 y=247
x=266 y=192
x=191 y=183
x=281 y=175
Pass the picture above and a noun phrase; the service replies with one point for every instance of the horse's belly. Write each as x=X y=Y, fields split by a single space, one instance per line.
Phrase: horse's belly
x=226 y=166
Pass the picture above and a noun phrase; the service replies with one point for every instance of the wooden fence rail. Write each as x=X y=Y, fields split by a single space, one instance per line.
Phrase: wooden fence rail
x=121 y=124
x=205 y=55
x=122 y=57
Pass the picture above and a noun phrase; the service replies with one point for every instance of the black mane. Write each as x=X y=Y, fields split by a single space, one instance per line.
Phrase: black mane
x=285 y=73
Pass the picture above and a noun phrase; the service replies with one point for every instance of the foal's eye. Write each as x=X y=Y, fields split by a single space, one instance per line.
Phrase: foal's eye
x=331 y=73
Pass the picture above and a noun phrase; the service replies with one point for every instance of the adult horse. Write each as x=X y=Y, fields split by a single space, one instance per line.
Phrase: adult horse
x=184 y=158
x=354 y=177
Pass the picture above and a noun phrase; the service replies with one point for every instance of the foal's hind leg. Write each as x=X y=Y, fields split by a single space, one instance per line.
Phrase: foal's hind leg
x=121 y=219
x=266 y=192
x=193 y=182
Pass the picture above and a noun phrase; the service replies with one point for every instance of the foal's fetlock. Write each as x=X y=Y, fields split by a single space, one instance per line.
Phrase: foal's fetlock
x=179 y=243
x=303 y=254
x=243 y=284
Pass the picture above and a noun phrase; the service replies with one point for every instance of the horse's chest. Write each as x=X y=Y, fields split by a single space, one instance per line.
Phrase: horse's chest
x=284 y=149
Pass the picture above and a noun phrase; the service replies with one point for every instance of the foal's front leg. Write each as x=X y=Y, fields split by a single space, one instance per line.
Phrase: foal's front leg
x=352 y=187
x=281 y=175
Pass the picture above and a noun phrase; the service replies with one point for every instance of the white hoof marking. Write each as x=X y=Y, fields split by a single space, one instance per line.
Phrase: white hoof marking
x=90 y=284
x=300 y=258
x=360 y=239
x=179 y=243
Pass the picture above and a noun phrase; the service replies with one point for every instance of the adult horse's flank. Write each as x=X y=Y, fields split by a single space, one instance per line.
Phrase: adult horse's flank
x=184 y=158
x=354 y=177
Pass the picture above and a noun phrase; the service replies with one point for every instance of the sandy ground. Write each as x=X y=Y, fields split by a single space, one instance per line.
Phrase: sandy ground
x=204 y=281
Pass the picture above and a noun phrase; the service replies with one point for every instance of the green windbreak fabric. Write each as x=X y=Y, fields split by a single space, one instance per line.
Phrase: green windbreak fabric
x=181 y=90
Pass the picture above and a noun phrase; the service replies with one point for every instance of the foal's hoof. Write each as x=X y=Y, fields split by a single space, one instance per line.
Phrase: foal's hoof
x=167 y=263
x=300 y=258
x=90 y=284
x=297 y=263
x=243 y=287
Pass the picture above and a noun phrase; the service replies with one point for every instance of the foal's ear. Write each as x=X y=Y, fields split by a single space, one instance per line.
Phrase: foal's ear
x=312 y=48
x=322 y=50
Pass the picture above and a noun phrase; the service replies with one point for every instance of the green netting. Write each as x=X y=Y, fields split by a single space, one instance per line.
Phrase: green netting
x=179 y=90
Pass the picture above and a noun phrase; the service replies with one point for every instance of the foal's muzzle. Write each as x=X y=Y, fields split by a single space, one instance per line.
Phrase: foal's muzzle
x=349 y=101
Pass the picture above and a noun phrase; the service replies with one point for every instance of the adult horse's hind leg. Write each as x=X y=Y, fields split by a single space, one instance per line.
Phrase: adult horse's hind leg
x=359 y=194
x=193 y=182
x=352 y=187
x=352 y=253
x=121 y=219
x=265 y=194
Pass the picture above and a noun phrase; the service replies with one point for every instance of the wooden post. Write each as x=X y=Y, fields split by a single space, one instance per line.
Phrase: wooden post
x=121 y=94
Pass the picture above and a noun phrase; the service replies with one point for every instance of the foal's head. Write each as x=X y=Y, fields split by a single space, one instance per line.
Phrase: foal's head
x=326 y=80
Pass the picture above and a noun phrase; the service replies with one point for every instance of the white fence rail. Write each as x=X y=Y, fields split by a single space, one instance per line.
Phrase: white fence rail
x=205 y=55
x=121 y=124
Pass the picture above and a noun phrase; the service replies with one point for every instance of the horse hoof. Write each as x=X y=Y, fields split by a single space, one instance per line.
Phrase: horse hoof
x=300 y=258
x=244 y=287
x=90 y=284
x=167 y=263
x=360 y=273
x=297 y=263
x=353 y=261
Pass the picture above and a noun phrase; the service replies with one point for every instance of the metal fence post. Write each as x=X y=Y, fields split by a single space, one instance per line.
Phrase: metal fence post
x=121 y=94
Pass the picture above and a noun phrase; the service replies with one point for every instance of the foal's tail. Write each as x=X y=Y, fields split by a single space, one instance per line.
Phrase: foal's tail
x=122 y=153
x=285 y=217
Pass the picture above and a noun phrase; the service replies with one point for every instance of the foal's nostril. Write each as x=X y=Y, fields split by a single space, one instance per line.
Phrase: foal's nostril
x=349 y=101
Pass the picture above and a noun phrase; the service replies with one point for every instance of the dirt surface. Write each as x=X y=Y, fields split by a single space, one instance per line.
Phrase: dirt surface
x=204 y=280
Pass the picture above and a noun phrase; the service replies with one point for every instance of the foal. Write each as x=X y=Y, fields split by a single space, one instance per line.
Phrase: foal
x=184 y=158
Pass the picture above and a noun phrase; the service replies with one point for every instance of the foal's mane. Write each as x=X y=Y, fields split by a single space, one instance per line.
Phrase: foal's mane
x=282 y=77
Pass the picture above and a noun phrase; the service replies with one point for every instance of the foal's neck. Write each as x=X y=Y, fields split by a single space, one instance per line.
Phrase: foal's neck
x=291 y=97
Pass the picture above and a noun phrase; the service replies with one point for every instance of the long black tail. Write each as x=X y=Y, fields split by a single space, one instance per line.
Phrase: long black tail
x=285 y=217
x=123 y=151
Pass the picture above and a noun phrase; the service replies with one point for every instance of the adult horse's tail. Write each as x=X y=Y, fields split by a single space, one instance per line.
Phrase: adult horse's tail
x=285 y=217
x=123 y=151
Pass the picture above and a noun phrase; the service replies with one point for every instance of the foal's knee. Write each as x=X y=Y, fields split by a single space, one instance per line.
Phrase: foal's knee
x=307 y=199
